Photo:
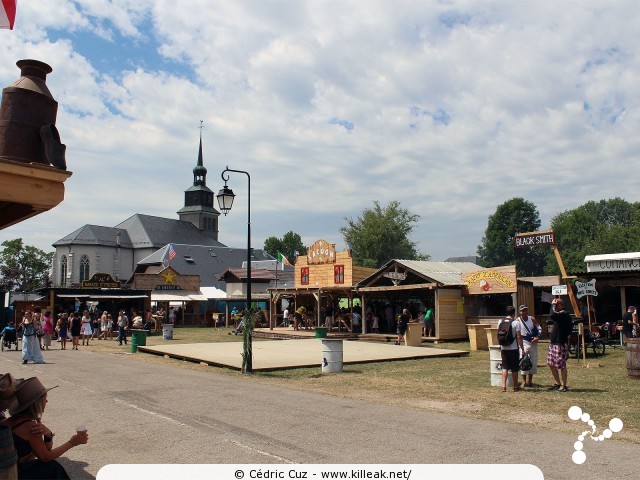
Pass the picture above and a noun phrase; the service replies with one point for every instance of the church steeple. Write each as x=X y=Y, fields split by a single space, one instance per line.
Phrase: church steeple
x=200 y=172
x=198 y=200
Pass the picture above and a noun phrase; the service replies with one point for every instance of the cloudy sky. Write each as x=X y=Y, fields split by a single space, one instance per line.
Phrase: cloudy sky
x=450 y=107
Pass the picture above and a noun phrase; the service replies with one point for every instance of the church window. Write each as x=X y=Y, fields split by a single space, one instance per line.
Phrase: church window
x=84 y=268
x=63 y=270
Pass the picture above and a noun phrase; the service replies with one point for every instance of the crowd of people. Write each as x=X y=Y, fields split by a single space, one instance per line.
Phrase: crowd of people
x=25 y=401
x=38 y=329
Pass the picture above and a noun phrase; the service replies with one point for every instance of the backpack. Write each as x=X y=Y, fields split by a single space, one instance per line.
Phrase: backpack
x=505 y=335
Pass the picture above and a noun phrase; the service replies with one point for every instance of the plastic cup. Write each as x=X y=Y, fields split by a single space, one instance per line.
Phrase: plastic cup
x=81 y=428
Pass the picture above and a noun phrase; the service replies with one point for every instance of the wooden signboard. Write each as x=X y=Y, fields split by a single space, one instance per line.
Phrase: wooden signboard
x=491 y=280
x=535 y=239
x=321 y=252
x=101 y=280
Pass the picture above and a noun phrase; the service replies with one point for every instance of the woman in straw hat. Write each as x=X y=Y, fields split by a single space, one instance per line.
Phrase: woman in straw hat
x=36 y=454
x=30 y=342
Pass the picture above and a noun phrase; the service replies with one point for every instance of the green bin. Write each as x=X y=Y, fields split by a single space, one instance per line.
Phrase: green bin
x=138 y=339
x=321 y=332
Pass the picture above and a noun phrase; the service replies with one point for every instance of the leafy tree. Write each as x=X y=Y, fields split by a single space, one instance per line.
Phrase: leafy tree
x=606 y=226
x=382 y=234
x=513 y=216
x=23 y=267
x=287 y=245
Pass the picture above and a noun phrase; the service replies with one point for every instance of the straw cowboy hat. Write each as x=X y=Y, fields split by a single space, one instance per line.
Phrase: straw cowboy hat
x=7 y=391
x=27 y=393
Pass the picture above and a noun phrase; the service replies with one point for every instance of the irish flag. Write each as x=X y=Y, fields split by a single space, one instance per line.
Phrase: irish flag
x=283 y=260
x=7 y=14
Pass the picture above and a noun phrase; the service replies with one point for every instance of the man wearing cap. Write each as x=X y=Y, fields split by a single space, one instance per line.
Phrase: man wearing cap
x=558 y=350
x=529 y=329
x=627 y=322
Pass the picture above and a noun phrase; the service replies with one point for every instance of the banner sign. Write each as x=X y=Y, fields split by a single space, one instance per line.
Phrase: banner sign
x=559 y=290
x=101 y=280
x=535 y=239
x=587 y=288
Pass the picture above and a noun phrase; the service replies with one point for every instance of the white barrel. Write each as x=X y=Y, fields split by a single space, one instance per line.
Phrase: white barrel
x=495 y=358
x=331 y=355
x=167 y=331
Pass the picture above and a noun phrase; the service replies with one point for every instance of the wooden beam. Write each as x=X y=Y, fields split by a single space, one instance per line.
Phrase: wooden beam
x=422 y=286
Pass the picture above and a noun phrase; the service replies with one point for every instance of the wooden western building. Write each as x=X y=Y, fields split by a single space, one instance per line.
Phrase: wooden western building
x=321 y=278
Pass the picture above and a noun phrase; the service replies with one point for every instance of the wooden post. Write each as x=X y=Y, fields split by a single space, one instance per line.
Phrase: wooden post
x=581 y=340
x=589 y=310
x=566 y=278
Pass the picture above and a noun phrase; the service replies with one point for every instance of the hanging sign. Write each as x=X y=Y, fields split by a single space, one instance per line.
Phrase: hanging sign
x=535 y=239
x=101 y=280
x=586 y=288
x=559 y=290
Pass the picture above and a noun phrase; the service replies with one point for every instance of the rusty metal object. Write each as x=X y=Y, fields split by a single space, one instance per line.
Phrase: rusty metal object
x=27 y=118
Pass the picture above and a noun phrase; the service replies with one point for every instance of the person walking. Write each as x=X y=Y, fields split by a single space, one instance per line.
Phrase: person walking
x=103 y=325
x=509 y=352
x=558 y=350
x=75 y=326
x=529 y=330
x=47 y=329
x=403 y=321
x=30 y=344
x=86 y=329
x=123 y=324
x=62 y=327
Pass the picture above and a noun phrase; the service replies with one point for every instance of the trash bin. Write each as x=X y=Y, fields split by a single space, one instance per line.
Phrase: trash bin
x=138 y=339
x=331 y=355
x=321 y=332
x=495 y=359
x=413 y=335
x=167 y=331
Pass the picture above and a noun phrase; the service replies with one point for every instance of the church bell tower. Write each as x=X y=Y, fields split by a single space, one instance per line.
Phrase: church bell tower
x=198 y=201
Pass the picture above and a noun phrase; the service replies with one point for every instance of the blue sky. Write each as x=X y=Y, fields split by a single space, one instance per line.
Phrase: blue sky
x=450 y=107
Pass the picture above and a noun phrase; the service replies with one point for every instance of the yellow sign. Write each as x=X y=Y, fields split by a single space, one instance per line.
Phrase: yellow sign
x=485 y=275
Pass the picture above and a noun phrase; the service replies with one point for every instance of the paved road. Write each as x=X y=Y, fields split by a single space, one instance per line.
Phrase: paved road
x=139 y=412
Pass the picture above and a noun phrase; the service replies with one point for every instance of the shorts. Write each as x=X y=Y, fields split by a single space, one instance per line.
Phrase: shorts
x=557 y=356
x=510 y=360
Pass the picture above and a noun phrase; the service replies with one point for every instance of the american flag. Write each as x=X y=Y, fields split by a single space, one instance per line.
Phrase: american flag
x=172 y=252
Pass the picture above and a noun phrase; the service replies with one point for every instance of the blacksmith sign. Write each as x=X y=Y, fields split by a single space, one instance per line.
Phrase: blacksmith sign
x=586 y=288
x=535 y=239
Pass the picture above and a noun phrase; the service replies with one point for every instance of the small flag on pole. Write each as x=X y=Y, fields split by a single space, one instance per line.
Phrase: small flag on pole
x=7 y=13
x=172 y=252
x=283 y=260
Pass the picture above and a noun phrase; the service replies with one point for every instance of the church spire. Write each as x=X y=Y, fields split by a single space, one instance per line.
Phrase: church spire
x=200 y=172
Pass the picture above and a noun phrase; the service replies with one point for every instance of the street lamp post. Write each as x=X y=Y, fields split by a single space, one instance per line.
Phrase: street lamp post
x=225 y=200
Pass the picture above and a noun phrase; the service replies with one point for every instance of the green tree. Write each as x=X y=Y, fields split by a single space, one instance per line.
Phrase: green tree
x=606 y=226
x=382 y=234
x=23 y=267
x=290 y=243
x=513 y=216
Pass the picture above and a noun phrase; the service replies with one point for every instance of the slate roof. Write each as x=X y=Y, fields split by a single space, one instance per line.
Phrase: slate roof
x=146 y=231
x=96 y=235
x=444 y=273
x=240 y=274
x=207 y=261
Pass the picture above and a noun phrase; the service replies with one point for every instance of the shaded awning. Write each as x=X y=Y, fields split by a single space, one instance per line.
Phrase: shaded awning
x=177 y=296
x=100 y=296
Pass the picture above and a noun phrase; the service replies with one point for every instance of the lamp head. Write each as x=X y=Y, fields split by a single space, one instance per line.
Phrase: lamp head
x=225 y=199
